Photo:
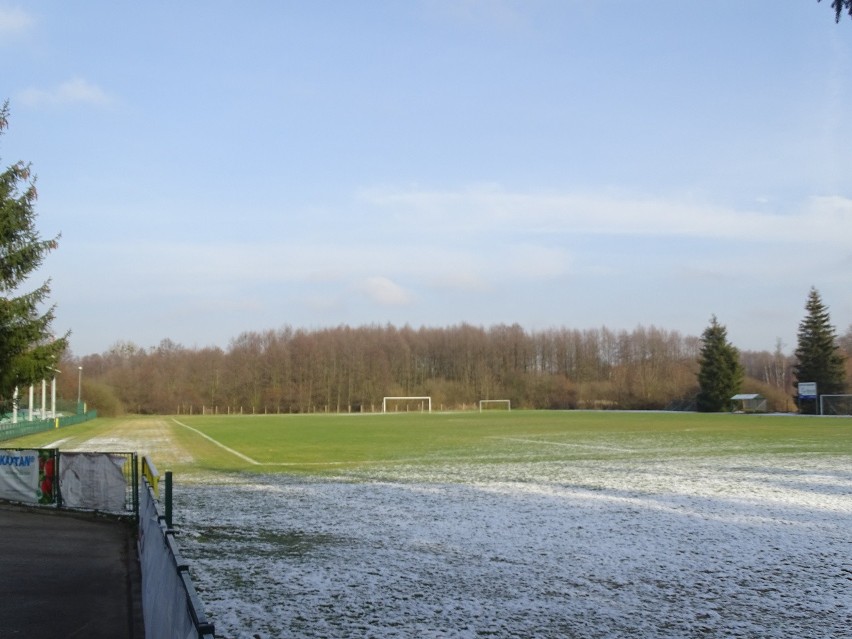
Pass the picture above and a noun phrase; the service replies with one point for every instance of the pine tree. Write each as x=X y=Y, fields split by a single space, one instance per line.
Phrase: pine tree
x=28 y=350
x=818 y=355
x=839 y=7
x=721 y=373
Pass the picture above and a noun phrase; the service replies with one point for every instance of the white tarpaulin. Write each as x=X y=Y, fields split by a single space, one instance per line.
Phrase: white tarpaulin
x=19 y=475
x=93 y=480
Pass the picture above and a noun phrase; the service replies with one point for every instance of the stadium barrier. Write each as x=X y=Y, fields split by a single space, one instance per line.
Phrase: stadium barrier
x=12 y=430
x=170 y=605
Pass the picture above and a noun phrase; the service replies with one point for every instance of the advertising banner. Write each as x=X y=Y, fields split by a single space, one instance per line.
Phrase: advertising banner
x=20 y=476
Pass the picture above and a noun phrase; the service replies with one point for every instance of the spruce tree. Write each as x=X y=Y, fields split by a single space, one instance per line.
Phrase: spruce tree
x=721 y=373
x=28 y=350
x=818 y=356
x=839 y=7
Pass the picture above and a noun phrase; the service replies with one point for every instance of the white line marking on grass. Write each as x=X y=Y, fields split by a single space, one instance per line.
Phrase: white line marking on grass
x=541 y=442
x=391 y=462
x=219 y=444
x=257 y=463
x=56 y=443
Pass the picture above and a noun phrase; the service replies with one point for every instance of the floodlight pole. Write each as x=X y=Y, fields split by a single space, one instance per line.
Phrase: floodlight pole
x=53 y=395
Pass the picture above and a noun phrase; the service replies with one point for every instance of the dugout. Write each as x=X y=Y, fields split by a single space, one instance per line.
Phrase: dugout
x=748 y=403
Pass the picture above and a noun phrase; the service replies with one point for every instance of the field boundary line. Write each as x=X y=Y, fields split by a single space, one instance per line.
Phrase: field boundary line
x=219 y=444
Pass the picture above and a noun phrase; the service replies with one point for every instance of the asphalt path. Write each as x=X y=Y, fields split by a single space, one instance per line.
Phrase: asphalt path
x=67 y=576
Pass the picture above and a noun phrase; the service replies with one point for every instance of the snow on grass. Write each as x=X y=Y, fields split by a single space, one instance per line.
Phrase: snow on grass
x=152 y=437
x=742 y=546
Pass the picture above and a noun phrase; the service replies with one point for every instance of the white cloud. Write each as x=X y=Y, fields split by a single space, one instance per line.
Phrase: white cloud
x=480 y=209
x=384 y=291
x=14 y=20
x=466 y=269
x=74 y=91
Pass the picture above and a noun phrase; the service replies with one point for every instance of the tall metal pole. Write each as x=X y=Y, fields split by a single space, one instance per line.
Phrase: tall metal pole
x=53 y=396
x=79 y=386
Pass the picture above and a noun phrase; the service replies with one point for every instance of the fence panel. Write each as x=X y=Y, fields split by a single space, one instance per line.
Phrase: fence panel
x=105 y=482
x=10 y=430
x=170 y=603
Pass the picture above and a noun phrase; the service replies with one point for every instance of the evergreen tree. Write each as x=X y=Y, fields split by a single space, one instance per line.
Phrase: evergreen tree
x=721 y=373
x=28 y=350
x=818 y=355
x=839 y=7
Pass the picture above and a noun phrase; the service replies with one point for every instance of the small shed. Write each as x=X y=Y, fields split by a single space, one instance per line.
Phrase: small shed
x=748 y=403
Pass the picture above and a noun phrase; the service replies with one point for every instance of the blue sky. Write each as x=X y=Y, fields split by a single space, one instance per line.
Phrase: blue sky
x=227 y=166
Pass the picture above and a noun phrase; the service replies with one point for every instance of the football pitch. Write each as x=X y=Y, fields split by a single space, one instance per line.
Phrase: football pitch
x=328 y=444
x=584 y=525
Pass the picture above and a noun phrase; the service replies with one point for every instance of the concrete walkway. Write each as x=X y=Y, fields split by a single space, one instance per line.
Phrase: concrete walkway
x=67 y=576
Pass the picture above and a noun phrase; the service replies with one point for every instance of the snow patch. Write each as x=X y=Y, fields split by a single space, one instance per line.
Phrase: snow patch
x=746 y=546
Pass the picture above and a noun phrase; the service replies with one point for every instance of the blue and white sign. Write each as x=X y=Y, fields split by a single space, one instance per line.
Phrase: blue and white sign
x=807 y=390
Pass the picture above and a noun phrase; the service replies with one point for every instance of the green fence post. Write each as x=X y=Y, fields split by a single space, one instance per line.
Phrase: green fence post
x=135 y=488
x=57 y=491
x=168 y=499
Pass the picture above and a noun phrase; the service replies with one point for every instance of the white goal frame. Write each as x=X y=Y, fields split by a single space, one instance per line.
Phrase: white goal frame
x=427 y=398
x=847 y=397
x=508 y=403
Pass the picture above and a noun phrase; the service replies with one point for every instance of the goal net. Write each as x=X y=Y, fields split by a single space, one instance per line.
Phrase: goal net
x=835 y=404
x=406 y=404
x=495 y=404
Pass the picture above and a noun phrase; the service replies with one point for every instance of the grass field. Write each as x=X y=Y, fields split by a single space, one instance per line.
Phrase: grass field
x=575 y=524
x=329 y=444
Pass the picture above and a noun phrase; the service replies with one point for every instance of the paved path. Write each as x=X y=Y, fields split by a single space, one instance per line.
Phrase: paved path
x=67 y=576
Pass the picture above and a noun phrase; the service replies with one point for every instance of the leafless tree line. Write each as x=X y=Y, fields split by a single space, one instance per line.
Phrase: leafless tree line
x=347 y=369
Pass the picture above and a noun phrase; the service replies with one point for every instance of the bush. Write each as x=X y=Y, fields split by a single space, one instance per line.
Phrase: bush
x=102 y=398
x=778 y=400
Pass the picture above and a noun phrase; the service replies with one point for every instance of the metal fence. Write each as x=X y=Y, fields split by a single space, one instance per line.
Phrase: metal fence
x=12 y=430
x=117 y=498
x=170 y=603
x=100 y=482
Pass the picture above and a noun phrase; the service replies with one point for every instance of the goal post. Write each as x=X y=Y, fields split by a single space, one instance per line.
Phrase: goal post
x=423 y=401
x=495 y=404
x=835 y=404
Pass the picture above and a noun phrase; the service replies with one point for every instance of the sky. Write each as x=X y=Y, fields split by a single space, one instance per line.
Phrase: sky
x=221 y=167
